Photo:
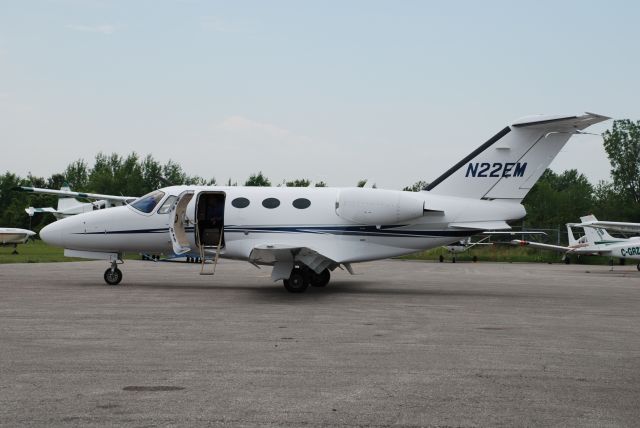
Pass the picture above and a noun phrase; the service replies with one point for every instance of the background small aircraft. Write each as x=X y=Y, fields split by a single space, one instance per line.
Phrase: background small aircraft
x=14 y=236
x=596 y=240
x=68 y=205
x=467 y=244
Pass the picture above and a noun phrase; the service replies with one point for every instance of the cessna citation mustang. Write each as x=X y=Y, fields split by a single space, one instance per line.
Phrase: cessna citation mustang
x=305 y=233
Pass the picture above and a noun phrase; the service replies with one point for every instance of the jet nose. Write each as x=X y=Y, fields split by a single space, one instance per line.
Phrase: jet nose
x=52 y=234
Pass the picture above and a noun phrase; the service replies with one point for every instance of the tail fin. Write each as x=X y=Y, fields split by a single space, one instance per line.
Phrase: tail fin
x=67 y=202
x=572 y=239
x=596 y=235
x=510 y=163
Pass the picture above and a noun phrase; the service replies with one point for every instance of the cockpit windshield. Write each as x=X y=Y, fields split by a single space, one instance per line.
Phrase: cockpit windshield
x=148 y=202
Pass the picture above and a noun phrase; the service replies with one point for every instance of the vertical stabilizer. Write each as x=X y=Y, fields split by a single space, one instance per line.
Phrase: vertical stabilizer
x=596 y=235
x=509 y=164
x=66 y=203
x=572 y=240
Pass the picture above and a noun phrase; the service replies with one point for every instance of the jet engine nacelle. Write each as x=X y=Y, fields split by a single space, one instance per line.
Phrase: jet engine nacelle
x=377 y=206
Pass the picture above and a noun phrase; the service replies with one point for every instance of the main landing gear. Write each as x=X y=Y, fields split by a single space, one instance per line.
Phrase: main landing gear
x=302 y=277
x=113 y=275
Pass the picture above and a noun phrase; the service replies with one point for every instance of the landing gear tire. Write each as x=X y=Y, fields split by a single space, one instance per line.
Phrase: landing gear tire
x=638 y=266
x=113 y=276
x=320 y=279
x=567 y=261
x=297 y=282
x=441 y=258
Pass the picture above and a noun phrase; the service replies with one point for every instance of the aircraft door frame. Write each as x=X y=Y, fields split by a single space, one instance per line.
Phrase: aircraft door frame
x=179 y=221
x=212 y=215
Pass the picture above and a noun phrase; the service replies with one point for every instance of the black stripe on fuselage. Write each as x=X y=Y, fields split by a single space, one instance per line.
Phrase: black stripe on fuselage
x=470 y=156
x=388 y=231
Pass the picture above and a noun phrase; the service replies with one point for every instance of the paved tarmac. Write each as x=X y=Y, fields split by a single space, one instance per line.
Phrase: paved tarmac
x=404 y=343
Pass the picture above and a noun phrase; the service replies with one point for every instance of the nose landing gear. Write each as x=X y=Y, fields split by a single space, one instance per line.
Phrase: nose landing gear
x=113 y=275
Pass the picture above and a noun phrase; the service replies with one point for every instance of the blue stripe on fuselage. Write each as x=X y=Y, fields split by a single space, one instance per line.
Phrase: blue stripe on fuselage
x=330 y=230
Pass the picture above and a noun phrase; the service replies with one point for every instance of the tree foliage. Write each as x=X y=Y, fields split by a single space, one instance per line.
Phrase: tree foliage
x=300 y=182
x=111 y=174
x=416 y=187
x=258 y=180
x=557 y=199
x=622 y=144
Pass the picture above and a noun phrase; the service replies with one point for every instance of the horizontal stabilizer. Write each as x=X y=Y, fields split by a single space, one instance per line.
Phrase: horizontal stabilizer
x=560 y=123
x=31 y=210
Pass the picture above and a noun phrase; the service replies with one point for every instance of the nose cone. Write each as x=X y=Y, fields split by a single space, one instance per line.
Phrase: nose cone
x=52 y=234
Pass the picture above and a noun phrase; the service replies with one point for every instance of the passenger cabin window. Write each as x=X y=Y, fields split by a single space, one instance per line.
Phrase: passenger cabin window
x=301 y=203
x=148 y=202
x=166 y=205
x=240 y=202
x=271 y=203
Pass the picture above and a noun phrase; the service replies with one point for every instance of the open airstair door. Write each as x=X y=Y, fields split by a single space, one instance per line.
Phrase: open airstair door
x=179 y=223
x=210 y=220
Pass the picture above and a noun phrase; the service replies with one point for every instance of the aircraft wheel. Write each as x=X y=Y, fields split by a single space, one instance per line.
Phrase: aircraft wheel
x=297 y=283
x=567 y=261
x=320 y=279
x=113 y=277
x=441 y=258
x=638 y=266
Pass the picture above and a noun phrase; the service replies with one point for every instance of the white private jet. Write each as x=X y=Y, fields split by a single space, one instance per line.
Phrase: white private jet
x=596 y=240
x=14 y=236
x=305 y=233
x=68 y=205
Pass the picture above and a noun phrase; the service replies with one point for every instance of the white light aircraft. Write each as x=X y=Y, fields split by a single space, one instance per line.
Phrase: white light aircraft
x=596 y=240
x=14 y=236
x=305 y=233
x=467 y=243
x=616 y=226
x=68 y=205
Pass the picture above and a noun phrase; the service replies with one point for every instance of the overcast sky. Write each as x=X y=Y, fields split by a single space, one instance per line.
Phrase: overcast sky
x=394 y=91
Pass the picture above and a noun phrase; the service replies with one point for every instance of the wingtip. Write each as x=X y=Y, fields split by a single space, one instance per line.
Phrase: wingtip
x=596 y=115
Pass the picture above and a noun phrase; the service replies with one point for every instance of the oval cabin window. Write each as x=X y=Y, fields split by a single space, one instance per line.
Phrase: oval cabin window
x=301 y=203
x=271 y=203
x=240 y=202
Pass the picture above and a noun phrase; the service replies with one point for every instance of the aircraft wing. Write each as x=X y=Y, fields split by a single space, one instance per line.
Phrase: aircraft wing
x=513 y=232
x=68 y=193
x=612 y=225
x=522 y=243
x=586 y=249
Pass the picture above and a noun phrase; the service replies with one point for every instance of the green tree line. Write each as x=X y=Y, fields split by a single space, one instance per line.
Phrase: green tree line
x=555 y=199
